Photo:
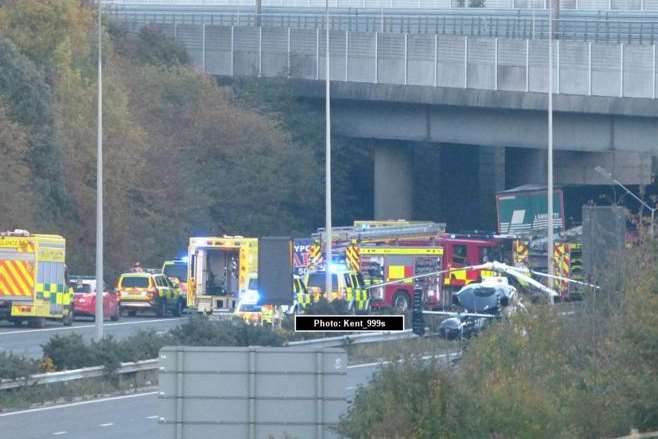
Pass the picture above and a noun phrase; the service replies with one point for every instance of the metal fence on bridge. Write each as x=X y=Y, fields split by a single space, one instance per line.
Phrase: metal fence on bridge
x=580 y=68
x=409 y=4
x=528 y=26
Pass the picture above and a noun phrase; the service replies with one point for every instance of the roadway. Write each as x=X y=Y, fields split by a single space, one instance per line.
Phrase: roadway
x=128 y=416
x=27 y=341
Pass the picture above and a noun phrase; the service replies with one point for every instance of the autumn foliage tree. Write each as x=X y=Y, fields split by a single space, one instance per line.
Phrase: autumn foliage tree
x=182 y=156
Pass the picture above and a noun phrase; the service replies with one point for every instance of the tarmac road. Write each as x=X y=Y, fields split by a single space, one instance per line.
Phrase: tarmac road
x=126 y=417
x=27 y=341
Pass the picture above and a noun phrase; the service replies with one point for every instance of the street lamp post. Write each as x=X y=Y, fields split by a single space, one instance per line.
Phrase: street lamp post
x=99 y=185
x=610 y=177
x=549 y=237
x=327 y=285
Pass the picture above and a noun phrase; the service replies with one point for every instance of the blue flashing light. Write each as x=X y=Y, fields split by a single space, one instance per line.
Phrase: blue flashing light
x=184 y=259
x=251 y=297
x=335 y=268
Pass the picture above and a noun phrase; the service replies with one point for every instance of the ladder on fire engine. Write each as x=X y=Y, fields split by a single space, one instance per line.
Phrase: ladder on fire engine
x=408 y=231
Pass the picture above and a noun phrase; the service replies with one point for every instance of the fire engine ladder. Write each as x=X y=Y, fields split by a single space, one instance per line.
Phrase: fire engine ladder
x=410 y=231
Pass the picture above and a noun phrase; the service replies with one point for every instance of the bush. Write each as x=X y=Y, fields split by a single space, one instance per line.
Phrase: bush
x=13 y=366
x=68 y=352
x=200 y=331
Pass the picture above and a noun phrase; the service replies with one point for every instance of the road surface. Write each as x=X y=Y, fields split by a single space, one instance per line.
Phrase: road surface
x=26 y=341
x=126 y=417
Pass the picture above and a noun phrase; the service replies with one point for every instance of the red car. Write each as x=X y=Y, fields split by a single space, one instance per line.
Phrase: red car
x=84 y=302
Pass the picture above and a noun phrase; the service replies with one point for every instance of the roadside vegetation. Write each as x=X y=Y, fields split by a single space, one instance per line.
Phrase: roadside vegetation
x=590 y=374
x=183 y=155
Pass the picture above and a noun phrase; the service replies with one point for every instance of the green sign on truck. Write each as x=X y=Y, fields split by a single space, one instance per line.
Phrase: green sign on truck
x=523 y=210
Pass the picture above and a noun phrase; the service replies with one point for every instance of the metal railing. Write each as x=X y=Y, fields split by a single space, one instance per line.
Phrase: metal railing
x=534 y=26
x=374 y=337
x=406 y=4
x=79 y=374
x=153 y=364
x=580 y=68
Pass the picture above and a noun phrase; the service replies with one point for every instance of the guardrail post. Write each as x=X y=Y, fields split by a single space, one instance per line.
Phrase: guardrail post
x=347 y=54
x=203 y=47
x=317 y=53
x=495 y=63
x=376 y=57
x=621 y=70
x=260 y=51
x=465 y=62
x=557 y=66
x=527 y=65
x=288 y=53
x=653 y=71
x=232 y=51
x=589 y=68
x=436 y=59
x=406 y=57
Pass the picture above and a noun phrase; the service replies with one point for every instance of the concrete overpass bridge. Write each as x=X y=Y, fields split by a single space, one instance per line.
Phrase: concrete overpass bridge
x=487 y=95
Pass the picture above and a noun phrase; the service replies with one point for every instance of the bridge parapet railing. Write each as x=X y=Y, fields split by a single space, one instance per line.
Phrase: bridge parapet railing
x=630 y=5
x=506 y=24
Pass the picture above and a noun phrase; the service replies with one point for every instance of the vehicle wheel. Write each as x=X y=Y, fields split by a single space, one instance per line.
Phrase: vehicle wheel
x=68 y=318
x=37 y=322
x=17 y=322
x=116 y=316
x=179 y=308
x=162 y=309
x=401 y=301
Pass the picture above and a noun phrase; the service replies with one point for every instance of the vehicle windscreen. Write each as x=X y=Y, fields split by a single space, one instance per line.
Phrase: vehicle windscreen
x=253 y=284
x=176 y=270
x=484 y=292
x=81 y=288
x=317 y=280
x=135 y=282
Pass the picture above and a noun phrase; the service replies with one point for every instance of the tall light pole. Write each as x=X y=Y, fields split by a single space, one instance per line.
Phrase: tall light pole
x=327 y=200
x=99 y=184
x=610 y=177
x=549 y=243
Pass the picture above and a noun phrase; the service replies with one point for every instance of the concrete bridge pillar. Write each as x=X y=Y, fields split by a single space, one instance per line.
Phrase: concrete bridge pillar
x=393 y=181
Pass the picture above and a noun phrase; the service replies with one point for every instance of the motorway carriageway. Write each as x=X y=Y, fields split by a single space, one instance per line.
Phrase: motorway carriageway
x=132 y=416
x=27 y=341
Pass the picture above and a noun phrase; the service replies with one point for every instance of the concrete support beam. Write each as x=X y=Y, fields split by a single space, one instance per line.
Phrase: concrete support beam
x=495 y=127
x=393 y=181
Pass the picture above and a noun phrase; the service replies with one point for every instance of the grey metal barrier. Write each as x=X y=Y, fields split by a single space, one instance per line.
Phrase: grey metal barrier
x=528 y=26
x=580 y=68
x=79 y=374
x=375 y=337
x=407 y=4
